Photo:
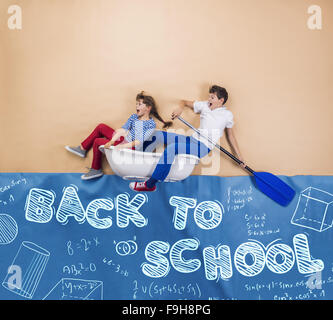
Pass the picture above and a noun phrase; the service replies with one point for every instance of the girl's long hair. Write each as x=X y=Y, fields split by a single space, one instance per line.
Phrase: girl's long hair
x=149 y=101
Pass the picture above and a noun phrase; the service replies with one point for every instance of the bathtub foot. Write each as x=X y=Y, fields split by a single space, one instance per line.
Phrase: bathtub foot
x=135 y=178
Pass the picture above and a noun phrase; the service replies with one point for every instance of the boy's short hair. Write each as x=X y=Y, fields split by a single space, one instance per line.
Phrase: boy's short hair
x=220 y=92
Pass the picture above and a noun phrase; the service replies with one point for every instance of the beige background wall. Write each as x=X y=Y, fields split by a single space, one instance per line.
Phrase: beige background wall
x=77 y=63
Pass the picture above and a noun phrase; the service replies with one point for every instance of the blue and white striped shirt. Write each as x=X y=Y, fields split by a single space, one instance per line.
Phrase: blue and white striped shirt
x=139 y=129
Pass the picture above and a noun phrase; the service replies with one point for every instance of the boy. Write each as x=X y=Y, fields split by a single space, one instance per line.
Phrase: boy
x=214 y=119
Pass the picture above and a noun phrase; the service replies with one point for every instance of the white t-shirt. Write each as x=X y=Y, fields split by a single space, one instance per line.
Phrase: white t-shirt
x=212 y=122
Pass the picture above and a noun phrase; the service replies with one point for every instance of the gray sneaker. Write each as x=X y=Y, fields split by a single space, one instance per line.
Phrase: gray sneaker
x=92 y=174
x=77 y=150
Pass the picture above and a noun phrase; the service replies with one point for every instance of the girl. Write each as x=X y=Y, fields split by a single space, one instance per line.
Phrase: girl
x=138 y=128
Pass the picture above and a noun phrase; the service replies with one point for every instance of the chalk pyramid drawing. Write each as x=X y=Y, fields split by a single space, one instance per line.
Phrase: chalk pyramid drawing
x=314 y=210
x=76 y=289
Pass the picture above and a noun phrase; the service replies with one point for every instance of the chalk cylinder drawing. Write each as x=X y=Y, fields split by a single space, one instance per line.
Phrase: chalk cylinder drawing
x=32 y=260
x=8 y=229
x=137 y=165
x=314 y=210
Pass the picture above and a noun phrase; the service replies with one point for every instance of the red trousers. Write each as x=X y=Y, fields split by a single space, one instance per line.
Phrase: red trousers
x=100 y=136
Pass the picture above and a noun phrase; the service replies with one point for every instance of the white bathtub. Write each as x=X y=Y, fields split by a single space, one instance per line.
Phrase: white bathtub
x=139 y=166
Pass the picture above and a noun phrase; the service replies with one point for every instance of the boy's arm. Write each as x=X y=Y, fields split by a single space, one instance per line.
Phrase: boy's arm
x=188 y=104
x=234 y=145
x=183 y=104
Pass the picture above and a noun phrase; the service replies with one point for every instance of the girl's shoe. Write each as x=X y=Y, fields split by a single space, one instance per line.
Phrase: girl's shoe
x=77 y=150
x=141 y=186
x=92 y=174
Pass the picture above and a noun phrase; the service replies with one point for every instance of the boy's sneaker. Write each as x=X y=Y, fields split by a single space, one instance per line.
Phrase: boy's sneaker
x=141 y=186
x=77 y=150
x=92 y=174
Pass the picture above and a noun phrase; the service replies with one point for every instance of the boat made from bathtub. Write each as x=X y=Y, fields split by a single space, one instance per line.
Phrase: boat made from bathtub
x=139 y=166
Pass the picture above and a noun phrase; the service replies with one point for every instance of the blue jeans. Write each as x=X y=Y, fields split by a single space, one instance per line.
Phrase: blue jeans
x=175 y=144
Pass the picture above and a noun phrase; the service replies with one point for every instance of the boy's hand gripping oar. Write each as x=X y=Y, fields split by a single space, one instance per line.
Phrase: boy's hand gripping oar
x=268 y=183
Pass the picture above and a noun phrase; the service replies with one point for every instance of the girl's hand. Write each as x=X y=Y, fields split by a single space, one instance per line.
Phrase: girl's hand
x=123 y=146
x=128 y=145
x=108 y=145
x=176 y=113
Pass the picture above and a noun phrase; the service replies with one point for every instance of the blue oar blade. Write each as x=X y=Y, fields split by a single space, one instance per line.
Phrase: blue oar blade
x=274 y=187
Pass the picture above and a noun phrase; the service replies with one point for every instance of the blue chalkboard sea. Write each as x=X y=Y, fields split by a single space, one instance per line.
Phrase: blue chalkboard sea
x=205 y=238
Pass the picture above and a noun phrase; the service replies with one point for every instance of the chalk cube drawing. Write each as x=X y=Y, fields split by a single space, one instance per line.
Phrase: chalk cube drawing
x=32 y=260
x=314 y=210
x=76 y=289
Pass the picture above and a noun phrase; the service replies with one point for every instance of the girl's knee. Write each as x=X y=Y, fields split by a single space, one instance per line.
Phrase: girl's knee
x=99 y=142
x=101 y=125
